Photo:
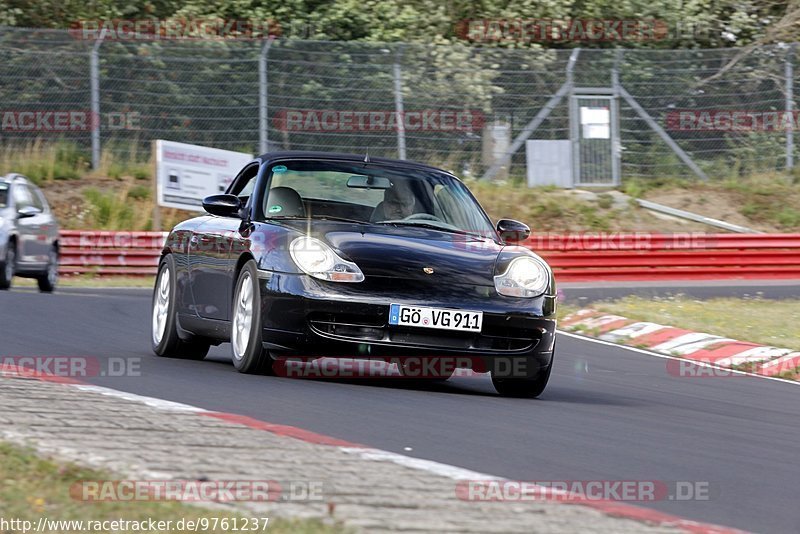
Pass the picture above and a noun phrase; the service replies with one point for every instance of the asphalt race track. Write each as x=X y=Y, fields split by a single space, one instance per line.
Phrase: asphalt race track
x=609 y=413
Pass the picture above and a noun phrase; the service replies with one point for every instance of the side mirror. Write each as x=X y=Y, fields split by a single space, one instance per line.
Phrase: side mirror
x=223 y=205
x=512 y=231
x=28 y=211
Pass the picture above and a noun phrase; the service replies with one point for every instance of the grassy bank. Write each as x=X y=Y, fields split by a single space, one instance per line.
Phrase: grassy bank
x=32 y=487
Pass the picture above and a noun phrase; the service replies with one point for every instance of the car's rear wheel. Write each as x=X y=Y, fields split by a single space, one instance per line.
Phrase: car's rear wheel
x=246 y=335
x=8 y=266
x=164 y=327
x=48 y=280
x=527 y=387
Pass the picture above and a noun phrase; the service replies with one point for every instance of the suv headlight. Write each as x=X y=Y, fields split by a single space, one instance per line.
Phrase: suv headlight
x=317 y=259
x=525 y=276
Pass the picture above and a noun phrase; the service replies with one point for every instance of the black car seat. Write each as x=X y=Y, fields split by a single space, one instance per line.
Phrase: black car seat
x=284 y=202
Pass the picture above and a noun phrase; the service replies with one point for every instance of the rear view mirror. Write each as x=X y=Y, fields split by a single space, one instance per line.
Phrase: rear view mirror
x=512 y=231
x=28 y=211
x=222 y=205
x=358 y=181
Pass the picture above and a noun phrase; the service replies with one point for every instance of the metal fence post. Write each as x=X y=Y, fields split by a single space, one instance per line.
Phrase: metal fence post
x=616 y=135
x=789 y=74
x=94 y=75
x=398 y=105
x=263 y=110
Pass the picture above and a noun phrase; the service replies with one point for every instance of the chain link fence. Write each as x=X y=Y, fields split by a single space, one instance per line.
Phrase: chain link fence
x=677 y=109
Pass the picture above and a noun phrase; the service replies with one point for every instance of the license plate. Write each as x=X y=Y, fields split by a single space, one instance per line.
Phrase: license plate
x=423 y=317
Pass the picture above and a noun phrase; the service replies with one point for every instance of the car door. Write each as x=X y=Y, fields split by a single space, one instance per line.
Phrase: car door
x=210 y=251
x=49 y=222
x=42 y=223
x=28 y=228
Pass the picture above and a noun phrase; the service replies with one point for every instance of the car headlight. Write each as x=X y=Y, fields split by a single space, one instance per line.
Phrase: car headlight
x=525 y=277
x=317 y=259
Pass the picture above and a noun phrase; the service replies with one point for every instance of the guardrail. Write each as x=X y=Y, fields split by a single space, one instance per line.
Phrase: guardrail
x=574 y=257
x=110 y=253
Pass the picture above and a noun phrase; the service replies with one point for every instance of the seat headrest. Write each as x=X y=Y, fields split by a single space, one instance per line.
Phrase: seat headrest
x=284 y=202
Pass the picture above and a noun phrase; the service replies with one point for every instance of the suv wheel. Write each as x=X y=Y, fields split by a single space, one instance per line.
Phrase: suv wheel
x=8 y=266
x=48 y=280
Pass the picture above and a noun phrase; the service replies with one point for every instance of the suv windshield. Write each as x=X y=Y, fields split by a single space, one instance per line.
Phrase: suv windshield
x=376 y=194
x=3 y=195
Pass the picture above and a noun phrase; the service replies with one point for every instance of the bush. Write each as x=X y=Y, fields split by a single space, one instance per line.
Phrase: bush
x=109 y=211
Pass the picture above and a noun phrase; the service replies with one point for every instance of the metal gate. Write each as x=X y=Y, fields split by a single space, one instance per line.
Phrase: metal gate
x=594 y=131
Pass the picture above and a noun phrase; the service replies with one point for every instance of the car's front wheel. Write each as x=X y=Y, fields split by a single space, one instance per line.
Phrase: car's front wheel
x=47 y=281
x=246 y=336
x=8 y=266
x=164 y=327
x=523 y=386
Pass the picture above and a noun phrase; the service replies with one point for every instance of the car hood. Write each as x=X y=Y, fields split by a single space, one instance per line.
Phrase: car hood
x=410 y=253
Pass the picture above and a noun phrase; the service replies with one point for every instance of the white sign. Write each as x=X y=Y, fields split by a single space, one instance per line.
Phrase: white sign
x=186 y=174
x=596 y=123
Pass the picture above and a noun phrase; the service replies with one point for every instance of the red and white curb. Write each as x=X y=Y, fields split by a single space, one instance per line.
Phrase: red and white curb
x=698 y=347
x=607 y=507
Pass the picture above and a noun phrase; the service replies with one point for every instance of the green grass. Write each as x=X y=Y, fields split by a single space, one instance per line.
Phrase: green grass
x=545 y=208
x=63 y=160
x=768 y=322
x=43 y=163
x=32 y=487
x=110 y=210
x=766 y=198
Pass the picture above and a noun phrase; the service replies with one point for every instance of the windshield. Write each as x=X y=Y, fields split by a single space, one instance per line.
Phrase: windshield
x=374 y=194
x=3 y=195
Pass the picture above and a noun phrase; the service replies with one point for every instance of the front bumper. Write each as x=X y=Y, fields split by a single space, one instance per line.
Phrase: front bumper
x=302 y=316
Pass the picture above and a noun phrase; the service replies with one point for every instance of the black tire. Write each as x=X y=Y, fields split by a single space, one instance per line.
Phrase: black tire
x=527 y=387
x=168 y=344
x=47 y=281
x=246 y=334
x=8 y=266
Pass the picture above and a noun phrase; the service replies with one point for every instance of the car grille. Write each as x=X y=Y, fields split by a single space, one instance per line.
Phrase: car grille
x=365 y=329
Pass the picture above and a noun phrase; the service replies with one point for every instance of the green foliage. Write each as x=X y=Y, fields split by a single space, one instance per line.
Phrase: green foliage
x=690 y=24
x=788 y=217
x=139 y=192
x=110 y=211
x=59 y=161
x=142 y=173
x=605 y=201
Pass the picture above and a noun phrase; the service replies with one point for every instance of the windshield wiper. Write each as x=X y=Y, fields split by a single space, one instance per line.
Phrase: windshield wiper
x=318 y=217
x=433 y=226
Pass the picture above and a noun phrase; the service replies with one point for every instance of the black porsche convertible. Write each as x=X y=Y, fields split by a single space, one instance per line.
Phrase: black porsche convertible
x=335 y=255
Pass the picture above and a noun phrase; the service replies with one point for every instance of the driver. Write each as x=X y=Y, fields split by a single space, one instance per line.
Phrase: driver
x=398 y=203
